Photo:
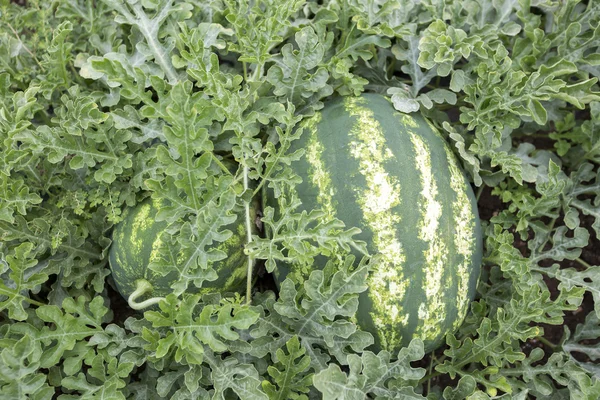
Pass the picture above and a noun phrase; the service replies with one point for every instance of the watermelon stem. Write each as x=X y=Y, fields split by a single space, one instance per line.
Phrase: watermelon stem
x=220 y=164
x=248 y=240
x=429 y=376
x=479 y=192
x=142 y=287
x=583 y=263
x=32 y=301
x=546 y=342
x=431 y=360
x=549 y=238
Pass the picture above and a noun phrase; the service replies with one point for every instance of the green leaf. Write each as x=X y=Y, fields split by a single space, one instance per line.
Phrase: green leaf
x=119 y=342
x=189 y=330
x=92 y=313
x=388 y=18
x=130 y=119
x=410 y=53
x=60 y=335
x=57 y=59
x=22 y=278
x=135 y=14
x=79 y=259
x=538 y=112
x=87 y=143
x=543 y=380
x=299 y=237
x=228 y=373
x=375 y=375
x=441 y=46
x=570 y=278
x=579 y=343
x=563 y=247
x=104 y=379
x=402 y=102
x=16 y=197
x=191 y=257
x=289 y=375
x=259 y=26
x=319 y=315
x=277 y=162
x=289 y=75
x=20 y=375
x=493 y=345
x=467 y=385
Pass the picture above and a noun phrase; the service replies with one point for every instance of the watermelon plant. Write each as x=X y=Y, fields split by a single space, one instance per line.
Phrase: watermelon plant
x=428 y=180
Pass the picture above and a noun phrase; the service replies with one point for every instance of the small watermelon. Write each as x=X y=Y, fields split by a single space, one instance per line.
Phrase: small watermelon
x=393 y=176
x=135 y=245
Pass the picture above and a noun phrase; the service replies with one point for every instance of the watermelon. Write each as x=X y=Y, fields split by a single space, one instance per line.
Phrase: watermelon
x=136 y=241
x=393 y=176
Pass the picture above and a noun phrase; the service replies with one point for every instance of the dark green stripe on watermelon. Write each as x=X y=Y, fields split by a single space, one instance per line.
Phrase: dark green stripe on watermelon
x=394 y=177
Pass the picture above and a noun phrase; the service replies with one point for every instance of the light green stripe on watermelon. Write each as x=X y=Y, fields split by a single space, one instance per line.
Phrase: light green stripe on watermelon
x=154 y=254
x=432 y=313
x=140 y=224
x=408 y=121
x=463 y=236
x=318 y=173
x=465 y=239
x=387 y=285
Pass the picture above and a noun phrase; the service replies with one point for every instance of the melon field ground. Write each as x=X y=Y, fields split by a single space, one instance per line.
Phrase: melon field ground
x=107 y=104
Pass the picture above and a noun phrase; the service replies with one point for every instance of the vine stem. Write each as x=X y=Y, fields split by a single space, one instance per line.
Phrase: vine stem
x=546 y=342
x=248 y=240
x=479 y=192
x=429 y=372
x=429 y=376
x=32 y=301
x=256 y=75
x=25 y=47
x=541 y=248
x=220 y=164
x=582 y=262
x=578 y=259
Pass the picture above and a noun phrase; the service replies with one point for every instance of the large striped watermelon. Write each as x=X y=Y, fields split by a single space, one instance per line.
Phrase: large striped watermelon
x=137 y=238
x=393 y=176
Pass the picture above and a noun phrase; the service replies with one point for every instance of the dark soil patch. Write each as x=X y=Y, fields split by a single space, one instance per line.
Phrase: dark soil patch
x=119 y=306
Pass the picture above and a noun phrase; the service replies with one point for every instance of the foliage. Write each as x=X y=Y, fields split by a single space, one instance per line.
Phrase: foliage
x=105 y=103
